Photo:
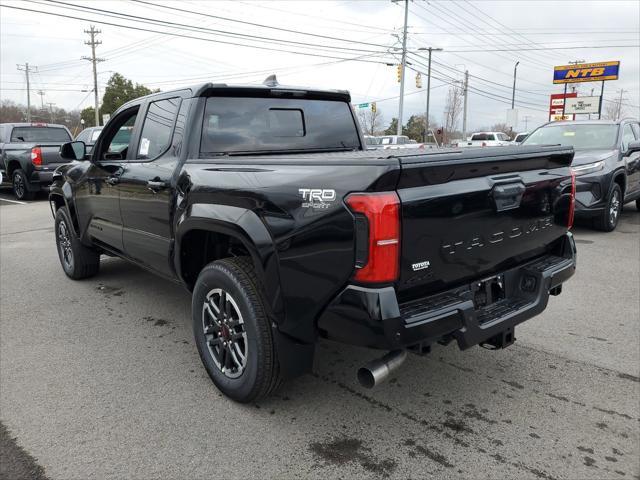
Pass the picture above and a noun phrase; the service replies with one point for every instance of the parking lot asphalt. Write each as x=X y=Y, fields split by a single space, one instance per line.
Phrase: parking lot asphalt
x=101 y=379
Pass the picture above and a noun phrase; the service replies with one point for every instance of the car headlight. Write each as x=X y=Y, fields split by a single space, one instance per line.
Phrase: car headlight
x=588 y=168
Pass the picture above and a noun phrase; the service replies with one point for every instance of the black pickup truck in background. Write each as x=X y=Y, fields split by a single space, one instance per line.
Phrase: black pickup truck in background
x=263 y=201
x=29 y=154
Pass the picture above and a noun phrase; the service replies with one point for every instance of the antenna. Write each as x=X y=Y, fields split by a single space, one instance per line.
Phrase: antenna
x=271 y=81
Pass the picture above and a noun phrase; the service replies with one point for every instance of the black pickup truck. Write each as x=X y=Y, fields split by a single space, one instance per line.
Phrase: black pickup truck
x=29 y=154
x=263 y=201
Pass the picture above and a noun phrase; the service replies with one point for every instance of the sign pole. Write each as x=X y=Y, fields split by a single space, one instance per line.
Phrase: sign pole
x=564 y=100
x=601 y=97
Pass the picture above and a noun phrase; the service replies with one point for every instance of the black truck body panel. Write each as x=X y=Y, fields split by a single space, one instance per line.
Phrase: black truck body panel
x=155 y=212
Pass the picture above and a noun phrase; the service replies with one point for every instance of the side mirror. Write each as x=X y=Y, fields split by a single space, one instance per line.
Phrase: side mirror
x=73 y=151
x=633 y=147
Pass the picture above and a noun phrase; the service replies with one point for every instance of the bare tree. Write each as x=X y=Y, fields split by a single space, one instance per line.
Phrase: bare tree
x=452 y=111
x=613 y=110
x=370 y=121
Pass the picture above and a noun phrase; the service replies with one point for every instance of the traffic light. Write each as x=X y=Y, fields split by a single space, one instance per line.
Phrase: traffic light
x=418 y=80
x=399 y=73
x=373 y=107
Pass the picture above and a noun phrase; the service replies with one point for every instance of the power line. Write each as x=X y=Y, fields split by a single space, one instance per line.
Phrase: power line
x=178 y=35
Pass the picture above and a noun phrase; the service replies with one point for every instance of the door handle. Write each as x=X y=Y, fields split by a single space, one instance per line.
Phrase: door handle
x=155 y=186
x=112 y=180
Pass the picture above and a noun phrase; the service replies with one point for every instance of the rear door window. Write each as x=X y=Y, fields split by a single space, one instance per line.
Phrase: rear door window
x=158 y=128
x=40 y=135
x=483 y=137
x=245 y=125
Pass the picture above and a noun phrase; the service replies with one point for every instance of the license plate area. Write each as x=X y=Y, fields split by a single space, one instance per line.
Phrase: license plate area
x=488 y=291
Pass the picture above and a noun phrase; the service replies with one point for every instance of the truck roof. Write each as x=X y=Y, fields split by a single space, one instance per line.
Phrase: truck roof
x=270 y=86
x=34 y=124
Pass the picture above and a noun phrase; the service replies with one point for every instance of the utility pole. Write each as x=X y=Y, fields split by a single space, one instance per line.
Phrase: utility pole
x=513 y=93
x=573 y=86
x=93 y=43
x=41 y=93
x=619 y=109
x=51 y=104
x=426 y=117
x=26 y=68
x=464 y=111
x=404 y=61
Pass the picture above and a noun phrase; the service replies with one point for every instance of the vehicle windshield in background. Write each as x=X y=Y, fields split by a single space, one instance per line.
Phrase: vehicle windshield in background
x=260 y=125
x=40 y=134
x=483 y=137
x=372 y=141
x=520 y=137
x=580 y=137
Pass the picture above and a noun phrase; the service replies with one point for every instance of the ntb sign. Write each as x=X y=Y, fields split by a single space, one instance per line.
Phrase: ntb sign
x=586 y=72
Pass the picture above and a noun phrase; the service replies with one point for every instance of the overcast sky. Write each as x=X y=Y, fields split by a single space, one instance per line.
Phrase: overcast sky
x=369 y=31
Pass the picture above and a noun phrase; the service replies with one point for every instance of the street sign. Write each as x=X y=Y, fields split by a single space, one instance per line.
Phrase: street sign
x=556 y=102
x=363 y=105
x=559 y=118
x=582 y=105
x=586 y=72
x=105 y=118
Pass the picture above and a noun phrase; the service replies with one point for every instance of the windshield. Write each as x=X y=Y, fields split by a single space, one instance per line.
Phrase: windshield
x=40 y=134
x=580 y=137
x=244 y=125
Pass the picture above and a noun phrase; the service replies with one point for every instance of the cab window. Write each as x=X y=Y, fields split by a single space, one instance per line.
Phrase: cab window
x=115 y=144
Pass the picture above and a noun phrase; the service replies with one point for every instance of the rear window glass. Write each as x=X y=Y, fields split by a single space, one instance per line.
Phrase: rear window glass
x=483 y=137
x=39 y=134
x=253 y=125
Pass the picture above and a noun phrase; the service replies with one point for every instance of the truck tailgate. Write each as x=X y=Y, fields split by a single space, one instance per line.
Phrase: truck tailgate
x=51 y=154
x=466 y=215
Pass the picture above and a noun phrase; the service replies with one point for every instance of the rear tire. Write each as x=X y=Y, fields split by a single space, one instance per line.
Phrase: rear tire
x=20 y=184
x=233 y=332
x=608 y=219
x=77 y=260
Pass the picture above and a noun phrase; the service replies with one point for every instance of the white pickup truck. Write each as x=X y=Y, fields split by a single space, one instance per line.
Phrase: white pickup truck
x=486 y=139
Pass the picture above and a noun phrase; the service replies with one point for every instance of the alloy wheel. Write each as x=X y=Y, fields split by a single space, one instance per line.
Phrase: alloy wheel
x=64 y=244
x=18 y=185
x=225 y=333
x=614 y=207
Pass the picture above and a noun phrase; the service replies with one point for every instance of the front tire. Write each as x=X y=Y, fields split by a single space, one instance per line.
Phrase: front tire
x=233 y=332
x=607 y=221
x=20 y=184
x=77 y=260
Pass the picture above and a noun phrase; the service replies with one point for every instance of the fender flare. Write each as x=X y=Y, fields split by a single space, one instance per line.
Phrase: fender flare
x=245 y=226
x=616 y=174
x=65 y=192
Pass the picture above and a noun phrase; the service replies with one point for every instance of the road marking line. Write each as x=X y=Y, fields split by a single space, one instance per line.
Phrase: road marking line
x=13 y=201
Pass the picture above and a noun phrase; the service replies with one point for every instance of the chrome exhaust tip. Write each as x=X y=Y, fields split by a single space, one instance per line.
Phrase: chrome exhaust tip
x=377 y=371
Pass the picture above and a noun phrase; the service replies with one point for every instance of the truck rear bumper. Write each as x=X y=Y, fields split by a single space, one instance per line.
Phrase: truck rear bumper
x=372 y=317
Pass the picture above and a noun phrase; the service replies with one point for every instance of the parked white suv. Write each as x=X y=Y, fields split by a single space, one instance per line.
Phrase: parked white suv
x=486 y=139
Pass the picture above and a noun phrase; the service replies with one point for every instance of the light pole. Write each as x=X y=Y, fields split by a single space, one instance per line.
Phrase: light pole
x=513 y=94
x=426 y=117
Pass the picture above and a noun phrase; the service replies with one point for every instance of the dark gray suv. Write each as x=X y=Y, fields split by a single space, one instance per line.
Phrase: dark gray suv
x=606 y=165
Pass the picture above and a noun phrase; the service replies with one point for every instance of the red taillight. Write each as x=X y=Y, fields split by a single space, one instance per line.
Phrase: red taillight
x=36 y=156
x=382 y=211
x=572 y=204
